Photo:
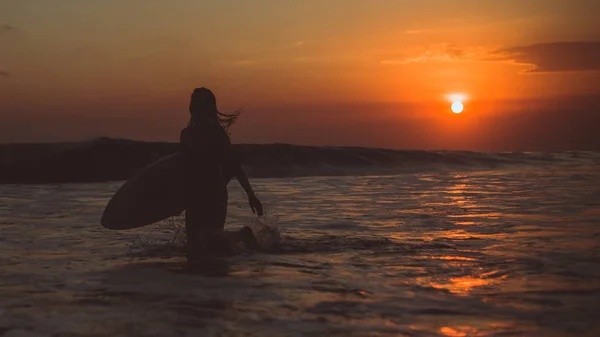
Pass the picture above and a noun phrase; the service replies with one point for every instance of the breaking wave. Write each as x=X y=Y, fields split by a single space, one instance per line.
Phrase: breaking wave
x=108 y=159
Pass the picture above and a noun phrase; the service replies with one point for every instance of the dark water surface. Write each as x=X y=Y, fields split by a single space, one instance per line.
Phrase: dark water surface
x=492 y=253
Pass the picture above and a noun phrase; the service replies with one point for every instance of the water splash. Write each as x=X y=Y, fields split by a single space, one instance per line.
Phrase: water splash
x=266 y=231
x=166 y=238
x=169 y=237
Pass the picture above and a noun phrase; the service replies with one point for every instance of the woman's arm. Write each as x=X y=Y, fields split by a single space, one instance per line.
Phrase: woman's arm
x=241 y=177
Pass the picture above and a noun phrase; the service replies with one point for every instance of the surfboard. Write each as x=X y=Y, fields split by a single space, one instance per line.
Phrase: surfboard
x=153 y=194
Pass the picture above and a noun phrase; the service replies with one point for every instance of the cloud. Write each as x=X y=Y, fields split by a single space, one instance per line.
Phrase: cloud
x=244 y=62
x=554 y=56
x=537 y=58
x=4 y=73
x=442 y=52
x=8 y=32
x=419 y=31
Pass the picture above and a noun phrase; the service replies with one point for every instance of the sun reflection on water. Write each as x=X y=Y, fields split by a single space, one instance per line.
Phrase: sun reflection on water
x=458 y=285
x=460 y=331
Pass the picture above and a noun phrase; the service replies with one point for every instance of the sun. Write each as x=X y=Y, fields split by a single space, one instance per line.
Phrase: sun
x=457 y=107
x=457 y=102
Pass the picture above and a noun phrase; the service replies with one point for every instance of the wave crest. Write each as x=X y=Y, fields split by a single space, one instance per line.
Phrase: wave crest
x=108 y=159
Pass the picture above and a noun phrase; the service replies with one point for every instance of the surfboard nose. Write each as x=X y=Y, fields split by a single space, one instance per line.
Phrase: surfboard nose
x=113 y=219
x=153 y=194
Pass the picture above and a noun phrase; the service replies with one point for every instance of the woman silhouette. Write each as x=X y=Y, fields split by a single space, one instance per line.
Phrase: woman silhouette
x=210 y=163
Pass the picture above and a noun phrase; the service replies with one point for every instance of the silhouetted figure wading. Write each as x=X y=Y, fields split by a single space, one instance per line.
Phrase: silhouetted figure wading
x=210 y=164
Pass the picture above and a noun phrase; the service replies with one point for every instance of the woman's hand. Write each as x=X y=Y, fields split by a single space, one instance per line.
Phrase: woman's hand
x=255 y=205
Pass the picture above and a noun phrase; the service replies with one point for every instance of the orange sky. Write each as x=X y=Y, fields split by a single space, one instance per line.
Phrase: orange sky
x=126 y=68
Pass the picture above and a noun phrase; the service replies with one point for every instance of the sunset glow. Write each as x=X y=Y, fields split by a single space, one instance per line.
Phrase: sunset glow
x=456 y=97
x=336 y=79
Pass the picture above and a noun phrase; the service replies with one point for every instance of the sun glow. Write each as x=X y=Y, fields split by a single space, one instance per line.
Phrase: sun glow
x=457 y=102
x=456 y=97
x=457 y=107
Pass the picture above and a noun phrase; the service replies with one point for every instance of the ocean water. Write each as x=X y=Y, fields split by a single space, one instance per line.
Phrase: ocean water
x=512 y=251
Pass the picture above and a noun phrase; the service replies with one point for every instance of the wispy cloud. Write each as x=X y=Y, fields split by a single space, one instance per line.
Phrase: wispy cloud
x=289 y=46
x=442 y=52
x=244 y=62
x=554 y=56
x=417 y=31
x=4 y=73
x=537 y=58
x=7 y=30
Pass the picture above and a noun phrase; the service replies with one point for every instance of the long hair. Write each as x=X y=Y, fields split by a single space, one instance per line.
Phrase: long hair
x=204 y=100
x=227 y=120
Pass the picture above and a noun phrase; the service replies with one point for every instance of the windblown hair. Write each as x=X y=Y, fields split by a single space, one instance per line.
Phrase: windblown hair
x=204 y=100
x=227 y=120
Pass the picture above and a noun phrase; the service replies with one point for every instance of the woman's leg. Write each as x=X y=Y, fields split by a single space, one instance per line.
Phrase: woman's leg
x=214 y=223
x=195 y=243
x=206 y=212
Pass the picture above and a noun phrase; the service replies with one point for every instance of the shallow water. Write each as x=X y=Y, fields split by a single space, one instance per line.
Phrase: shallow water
x=492 y=253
